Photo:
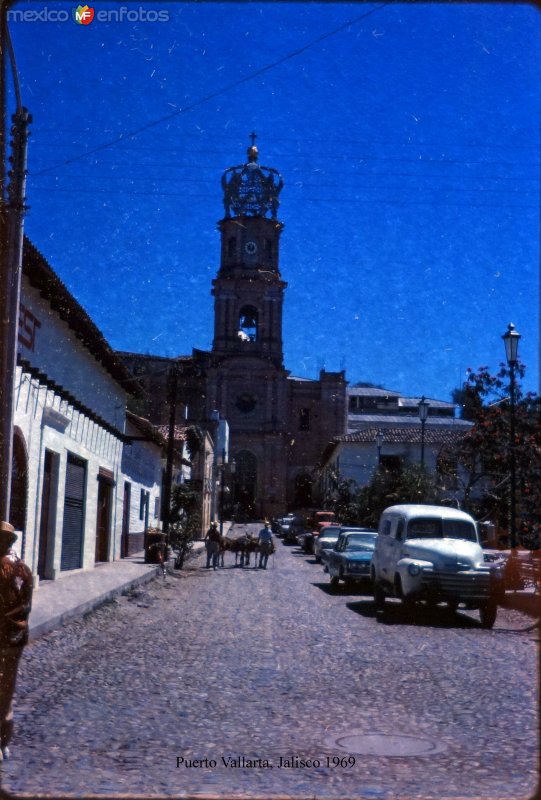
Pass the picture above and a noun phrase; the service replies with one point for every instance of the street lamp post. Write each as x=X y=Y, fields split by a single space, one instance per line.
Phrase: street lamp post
x=423 y=414
x=379 y=444
x=511 y=339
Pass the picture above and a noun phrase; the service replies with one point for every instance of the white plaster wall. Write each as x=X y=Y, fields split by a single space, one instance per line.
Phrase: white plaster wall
x=82 y=437
x=141 y=466
x=359 y=461
x=56 y=351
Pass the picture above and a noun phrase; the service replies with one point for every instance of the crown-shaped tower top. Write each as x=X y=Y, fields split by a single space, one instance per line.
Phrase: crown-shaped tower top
x=251 y=190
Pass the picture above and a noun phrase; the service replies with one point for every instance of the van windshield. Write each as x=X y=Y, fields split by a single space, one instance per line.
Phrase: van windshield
x=437 y=528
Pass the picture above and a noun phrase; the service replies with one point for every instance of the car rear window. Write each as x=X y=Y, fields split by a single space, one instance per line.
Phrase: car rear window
x=436 y=528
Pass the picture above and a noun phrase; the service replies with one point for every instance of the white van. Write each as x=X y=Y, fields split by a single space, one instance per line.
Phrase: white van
x=433 y=553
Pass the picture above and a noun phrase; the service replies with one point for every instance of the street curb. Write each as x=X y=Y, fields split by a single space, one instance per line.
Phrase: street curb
x=526 y=602
x=80 y=610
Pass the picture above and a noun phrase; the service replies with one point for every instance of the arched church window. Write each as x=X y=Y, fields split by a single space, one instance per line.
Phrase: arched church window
x=231 y=245
x=248 y=322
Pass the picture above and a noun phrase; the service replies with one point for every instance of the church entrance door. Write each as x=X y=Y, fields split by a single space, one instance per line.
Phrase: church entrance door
x=245 y=489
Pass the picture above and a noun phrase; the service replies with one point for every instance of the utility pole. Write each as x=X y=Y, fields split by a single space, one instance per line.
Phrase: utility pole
x=11 y=250
x=168 y=478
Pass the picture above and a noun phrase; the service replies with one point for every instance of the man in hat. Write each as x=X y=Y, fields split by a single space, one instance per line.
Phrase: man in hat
x=266 y=545
x=212 y=543
x=15 y=604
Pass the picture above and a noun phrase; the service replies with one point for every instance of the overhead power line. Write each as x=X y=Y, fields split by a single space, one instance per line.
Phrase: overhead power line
x=335 y=201
x=219 y=92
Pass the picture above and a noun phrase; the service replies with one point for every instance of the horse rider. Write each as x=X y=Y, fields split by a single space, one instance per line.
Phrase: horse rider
x=266 y=545
x=212 y=544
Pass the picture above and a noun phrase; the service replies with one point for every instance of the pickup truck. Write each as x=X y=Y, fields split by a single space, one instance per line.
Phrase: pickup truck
x=433 y=554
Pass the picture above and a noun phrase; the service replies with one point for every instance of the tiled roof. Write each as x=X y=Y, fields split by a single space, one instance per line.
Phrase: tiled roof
x=405 y=435
x=152 y=431
x=356 y=421
x=371 y=391
x=180 y=432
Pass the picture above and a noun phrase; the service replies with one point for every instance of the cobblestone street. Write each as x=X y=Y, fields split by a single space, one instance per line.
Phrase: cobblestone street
x=216 y=682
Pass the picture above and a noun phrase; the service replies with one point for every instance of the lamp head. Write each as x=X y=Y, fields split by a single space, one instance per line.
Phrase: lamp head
x=511 y=338
x=423 y=408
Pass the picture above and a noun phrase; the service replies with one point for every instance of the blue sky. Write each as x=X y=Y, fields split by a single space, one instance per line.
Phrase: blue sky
x=408 y=141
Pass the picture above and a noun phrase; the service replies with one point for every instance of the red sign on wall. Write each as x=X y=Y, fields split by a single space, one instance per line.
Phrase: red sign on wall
x=28 y=325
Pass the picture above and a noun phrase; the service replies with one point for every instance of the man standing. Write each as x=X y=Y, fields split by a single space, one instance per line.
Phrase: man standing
x=212 y=543
x=15 y=604
x=266 y=545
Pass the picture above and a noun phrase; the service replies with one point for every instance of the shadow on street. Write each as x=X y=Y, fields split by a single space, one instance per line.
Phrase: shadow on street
x=421 y=616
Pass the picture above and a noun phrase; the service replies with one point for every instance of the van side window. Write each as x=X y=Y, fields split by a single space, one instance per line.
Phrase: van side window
x=385 y=527
x=400 y=530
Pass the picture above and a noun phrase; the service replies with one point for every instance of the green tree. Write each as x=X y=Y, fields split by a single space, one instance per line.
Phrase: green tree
x=410 y=484
x=341 y=497
x=483 y=455
x=185 y=521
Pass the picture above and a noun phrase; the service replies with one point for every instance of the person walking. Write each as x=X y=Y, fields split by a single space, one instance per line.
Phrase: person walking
x=266 y=545
x=15 y=605
x=212 y=544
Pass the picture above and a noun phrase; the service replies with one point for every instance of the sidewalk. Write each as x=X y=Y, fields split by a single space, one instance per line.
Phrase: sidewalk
x=56 y=602
x=525 y=600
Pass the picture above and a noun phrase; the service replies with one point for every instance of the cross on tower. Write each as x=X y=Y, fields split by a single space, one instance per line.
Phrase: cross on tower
x=253 y=137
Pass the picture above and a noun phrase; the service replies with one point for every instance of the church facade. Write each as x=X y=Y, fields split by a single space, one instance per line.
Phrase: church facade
x=278 y=424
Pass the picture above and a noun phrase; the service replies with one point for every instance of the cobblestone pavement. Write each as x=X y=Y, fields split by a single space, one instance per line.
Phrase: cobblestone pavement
x=268 y=665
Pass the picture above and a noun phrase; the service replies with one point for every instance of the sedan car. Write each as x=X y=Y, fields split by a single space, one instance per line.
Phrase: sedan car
x=296 y=527
x=350 y=559
x=326 y=541
x=284 y=524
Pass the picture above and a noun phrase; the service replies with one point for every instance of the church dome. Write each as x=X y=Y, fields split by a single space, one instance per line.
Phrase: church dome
x=251 y=190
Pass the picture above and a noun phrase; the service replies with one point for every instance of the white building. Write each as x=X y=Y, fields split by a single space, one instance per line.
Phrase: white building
x=76 y=484
x=384 y=427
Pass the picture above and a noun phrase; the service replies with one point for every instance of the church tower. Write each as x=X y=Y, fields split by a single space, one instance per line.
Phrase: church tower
x=278 y=424
x=247 y=382
x=248 y=290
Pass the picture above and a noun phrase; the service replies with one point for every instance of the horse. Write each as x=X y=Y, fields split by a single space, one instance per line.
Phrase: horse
x=242 y=546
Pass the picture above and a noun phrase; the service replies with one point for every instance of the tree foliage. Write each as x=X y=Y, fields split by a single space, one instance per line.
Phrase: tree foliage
x=411 y=483
x=484 y=454
x=185 y=521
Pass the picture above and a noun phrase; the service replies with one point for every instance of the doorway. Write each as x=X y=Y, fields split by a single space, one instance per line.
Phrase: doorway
x=48 y=513
x=103 y=521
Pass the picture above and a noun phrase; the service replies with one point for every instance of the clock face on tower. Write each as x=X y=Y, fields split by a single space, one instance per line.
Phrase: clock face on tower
x=250 y=248
x=245 y=402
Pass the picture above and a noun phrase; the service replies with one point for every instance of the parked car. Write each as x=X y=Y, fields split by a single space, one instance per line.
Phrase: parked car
x=433 y=553
x=284 y=524
x=322 y=518
x=296 y=527
x=351 y=557
x=326 y=540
